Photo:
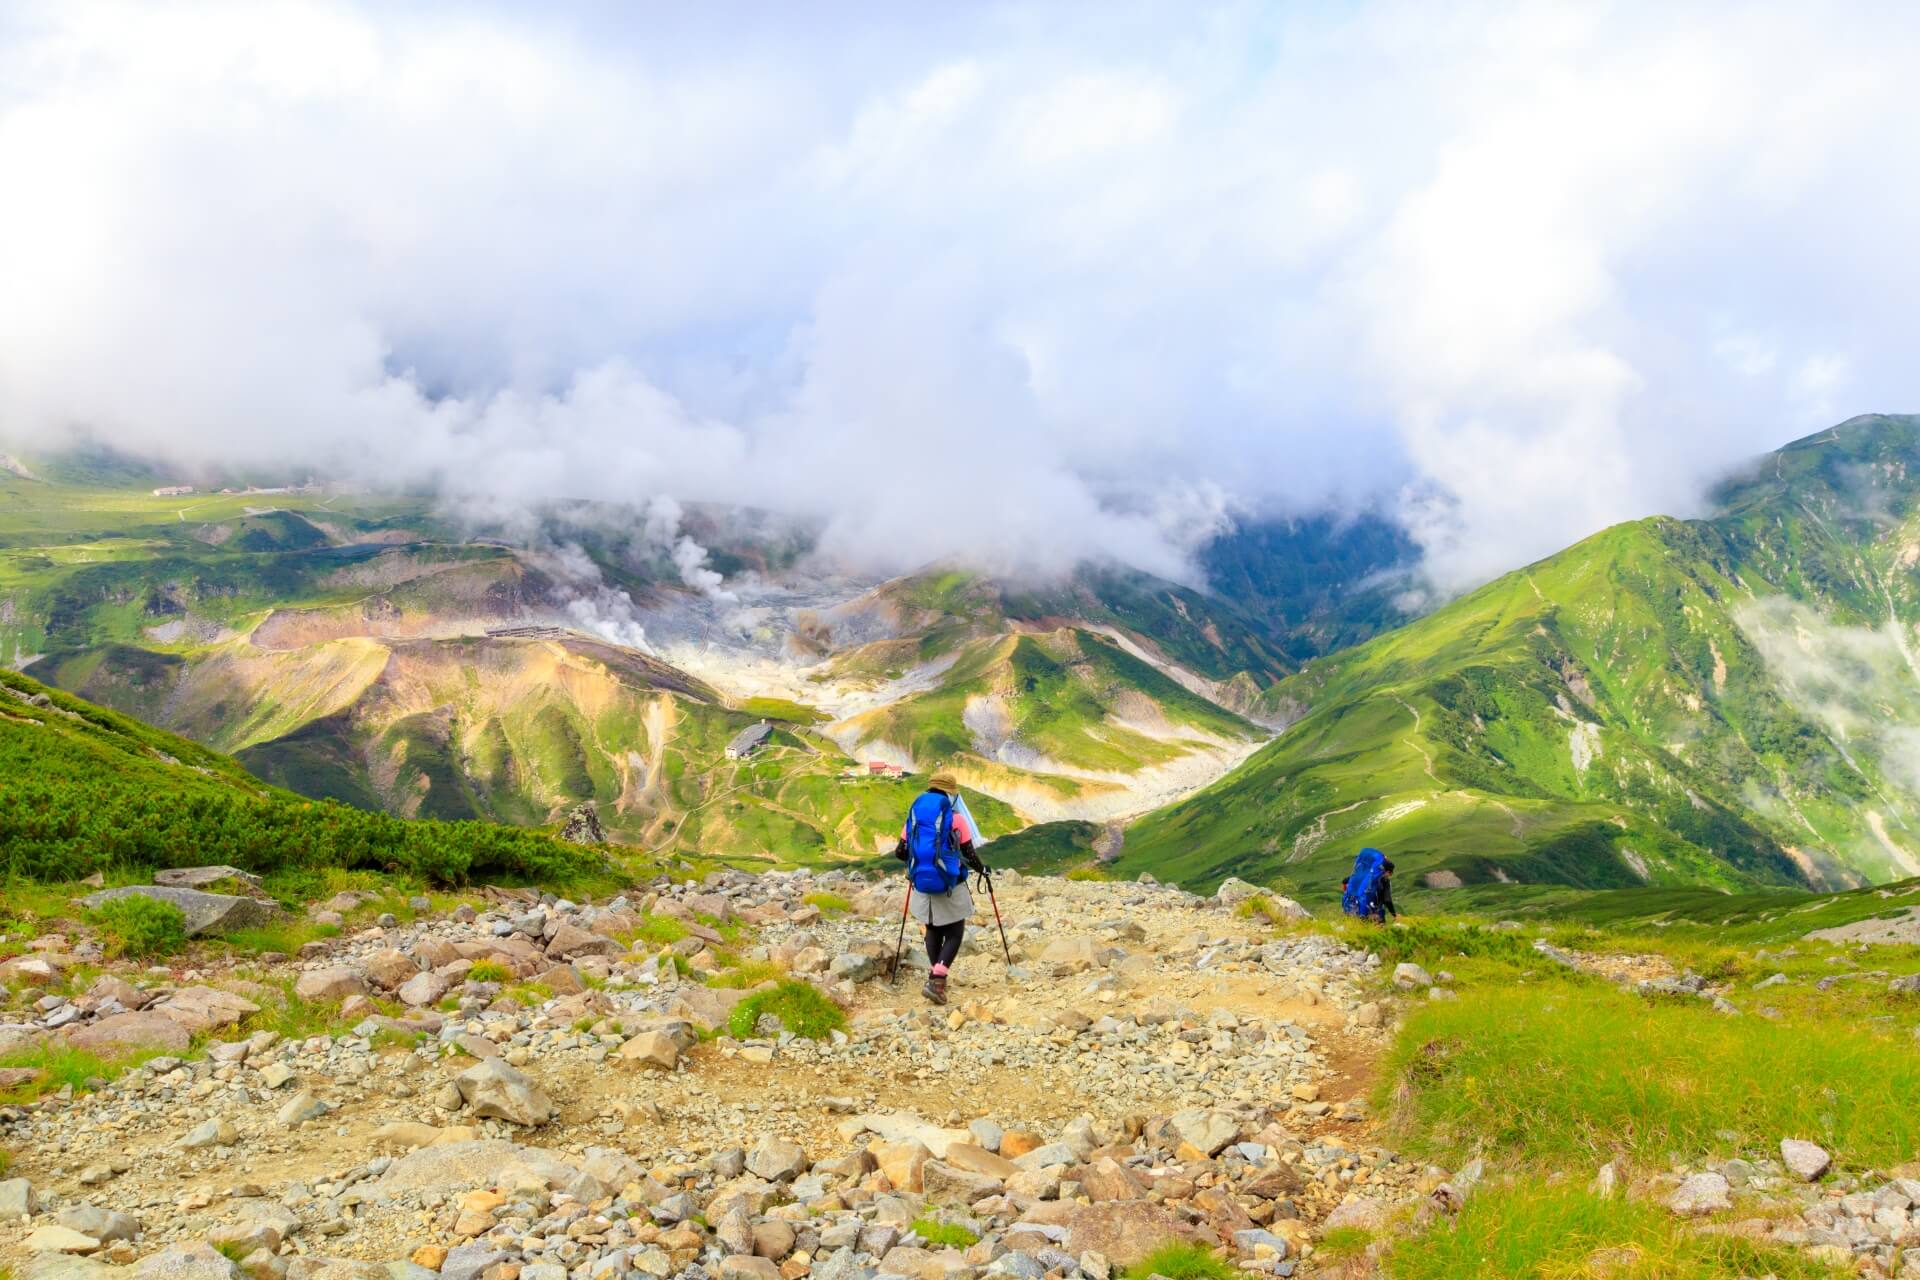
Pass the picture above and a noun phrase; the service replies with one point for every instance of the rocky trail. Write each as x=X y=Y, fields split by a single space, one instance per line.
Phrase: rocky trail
x=1152 y=1067
x=523 y=1088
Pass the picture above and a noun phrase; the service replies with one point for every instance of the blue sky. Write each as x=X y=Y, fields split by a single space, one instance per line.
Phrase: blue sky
x=1116 y=273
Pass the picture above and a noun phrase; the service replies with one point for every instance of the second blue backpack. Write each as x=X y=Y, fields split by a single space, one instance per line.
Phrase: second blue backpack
x=933 y=860
x=1364 y=883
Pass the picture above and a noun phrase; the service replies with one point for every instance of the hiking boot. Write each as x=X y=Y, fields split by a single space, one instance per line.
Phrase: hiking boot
x=936 y=989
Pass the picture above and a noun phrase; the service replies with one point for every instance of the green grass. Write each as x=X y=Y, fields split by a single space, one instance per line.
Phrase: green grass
x=286 y=937
x=231 y=1250
x=529 y=993
x=1182 y=1260
x=489 y=971
x=783 y=709
x=832 y=904
x=295 y=1018
x=747 y=973
x=799 y=1006
x=1531 y=1231
x=943 y=1235
x=1568 y=1076
x=659 y=931
x=62 y=1066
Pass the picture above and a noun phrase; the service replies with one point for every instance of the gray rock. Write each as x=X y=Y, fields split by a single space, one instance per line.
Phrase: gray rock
x=64 y=1266
x=1206 y=1130
x=1805 y=1159
x=986 y=1134
x=424 y=988
x=17 y=1200
x=196 y=1261
x=776 y=1159
x=210 y=1133
x=201 y=877
x=677 y=1207
x=496 y=1091
x=300 y=1108
x=1248 y=1240
x=204 y=912
x=468 y=1260
x=1700 y=1194
x=1407 y=975
x=104 y=1225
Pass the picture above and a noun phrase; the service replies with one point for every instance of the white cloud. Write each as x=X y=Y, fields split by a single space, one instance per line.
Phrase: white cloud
x=991 y=282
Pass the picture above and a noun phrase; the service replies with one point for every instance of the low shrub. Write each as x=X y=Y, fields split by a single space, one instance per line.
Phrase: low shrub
x=136 y=926
x=489 y=971
x=801 y=1008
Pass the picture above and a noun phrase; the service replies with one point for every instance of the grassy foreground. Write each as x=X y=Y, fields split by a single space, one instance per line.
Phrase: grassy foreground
x=1524 y=1232
x=1548 y=1072
x=1576 y=1076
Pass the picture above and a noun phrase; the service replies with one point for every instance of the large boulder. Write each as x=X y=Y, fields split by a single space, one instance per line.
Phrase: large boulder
x=204 y=912
x=496 y=1091
x=201 y=877
x=146 y=1029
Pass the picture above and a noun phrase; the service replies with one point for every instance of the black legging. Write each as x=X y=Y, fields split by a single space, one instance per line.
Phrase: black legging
x=943 y=942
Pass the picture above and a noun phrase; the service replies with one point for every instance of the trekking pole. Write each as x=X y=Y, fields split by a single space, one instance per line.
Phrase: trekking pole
x=1004 y=948
x=899 y=943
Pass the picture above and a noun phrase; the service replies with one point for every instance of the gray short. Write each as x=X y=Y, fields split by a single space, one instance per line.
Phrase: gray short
x=941 y=908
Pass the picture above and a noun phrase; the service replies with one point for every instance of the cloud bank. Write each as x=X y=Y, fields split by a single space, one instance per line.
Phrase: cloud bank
x=1019 y=283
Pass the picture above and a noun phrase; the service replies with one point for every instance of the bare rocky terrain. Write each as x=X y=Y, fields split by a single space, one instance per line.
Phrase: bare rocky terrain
x=1151 y=1066
x=523 y=1088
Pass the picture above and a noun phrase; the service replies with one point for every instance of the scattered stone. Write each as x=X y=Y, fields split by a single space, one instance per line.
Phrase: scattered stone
x=1702 y=1193
x=496 y=1091
x=1804 y=1159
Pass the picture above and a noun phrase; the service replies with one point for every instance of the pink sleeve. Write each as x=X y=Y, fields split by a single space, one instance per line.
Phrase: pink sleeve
x=961 y=831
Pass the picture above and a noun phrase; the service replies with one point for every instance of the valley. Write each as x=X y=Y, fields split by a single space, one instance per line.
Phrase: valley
x=1729 y=702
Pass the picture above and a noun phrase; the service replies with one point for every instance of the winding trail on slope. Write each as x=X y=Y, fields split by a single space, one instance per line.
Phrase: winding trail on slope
x=1415 y=743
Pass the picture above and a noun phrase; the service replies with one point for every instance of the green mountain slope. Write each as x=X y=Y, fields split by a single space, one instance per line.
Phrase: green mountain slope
x=1727 y=702
x=83 y=789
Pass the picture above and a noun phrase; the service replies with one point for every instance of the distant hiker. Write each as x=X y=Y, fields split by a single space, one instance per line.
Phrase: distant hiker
x=937 y=845
x=1367 y=892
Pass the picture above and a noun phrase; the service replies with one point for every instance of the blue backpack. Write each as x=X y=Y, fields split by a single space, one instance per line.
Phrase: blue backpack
x=933 y=860
x=1364 y=883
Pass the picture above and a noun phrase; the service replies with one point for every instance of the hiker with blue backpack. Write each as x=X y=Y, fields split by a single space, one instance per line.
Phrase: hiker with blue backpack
x=936 y=843
x=1367 y=893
